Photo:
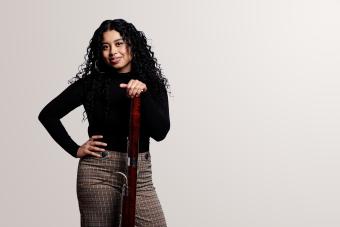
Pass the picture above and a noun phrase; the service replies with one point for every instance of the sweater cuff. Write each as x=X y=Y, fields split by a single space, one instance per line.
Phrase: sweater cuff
x=74 y=150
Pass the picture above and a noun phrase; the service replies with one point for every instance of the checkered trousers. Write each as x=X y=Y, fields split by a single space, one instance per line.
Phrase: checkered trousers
x=99 y=191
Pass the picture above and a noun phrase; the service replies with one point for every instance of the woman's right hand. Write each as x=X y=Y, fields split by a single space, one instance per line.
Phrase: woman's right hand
x=90 y=147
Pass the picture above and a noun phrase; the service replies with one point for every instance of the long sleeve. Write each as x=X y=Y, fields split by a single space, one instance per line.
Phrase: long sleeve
x=56 y=109
x=156 y=114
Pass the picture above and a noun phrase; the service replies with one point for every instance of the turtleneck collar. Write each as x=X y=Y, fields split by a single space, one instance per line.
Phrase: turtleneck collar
x=124 y=74
x=113 y=73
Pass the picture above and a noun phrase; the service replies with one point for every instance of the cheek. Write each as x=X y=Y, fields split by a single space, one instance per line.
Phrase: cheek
x=129 y=55
x=105 y=54
x=128 y=52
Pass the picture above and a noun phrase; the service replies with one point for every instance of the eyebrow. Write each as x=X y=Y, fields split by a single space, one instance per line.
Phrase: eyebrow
x=113 y=41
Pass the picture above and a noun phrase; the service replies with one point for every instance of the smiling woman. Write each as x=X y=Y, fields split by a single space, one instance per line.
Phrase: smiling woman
x=116 y=52
x=119 y=66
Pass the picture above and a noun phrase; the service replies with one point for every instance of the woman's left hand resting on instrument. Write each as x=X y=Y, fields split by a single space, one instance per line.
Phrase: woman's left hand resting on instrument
x=134 y=88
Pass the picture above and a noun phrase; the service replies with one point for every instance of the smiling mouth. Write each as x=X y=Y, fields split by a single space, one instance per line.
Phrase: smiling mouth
x=114 y=61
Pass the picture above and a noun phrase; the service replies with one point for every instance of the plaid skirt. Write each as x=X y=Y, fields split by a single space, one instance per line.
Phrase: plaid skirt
x=99 y=191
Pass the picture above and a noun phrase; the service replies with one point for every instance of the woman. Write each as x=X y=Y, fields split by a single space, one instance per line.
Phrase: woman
x=119 y=65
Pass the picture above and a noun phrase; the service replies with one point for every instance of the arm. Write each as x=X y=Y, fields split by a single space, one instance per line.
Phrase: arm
x=61 y=105
x=156 y=114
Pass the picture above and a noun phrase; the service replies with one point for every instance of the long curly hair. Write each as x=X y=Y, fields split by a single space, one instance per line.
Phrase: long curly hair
x=144 y=64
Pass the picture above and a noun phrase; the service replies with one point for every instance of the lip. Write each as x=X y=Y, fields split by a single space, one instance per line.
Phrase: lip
x=114 y=60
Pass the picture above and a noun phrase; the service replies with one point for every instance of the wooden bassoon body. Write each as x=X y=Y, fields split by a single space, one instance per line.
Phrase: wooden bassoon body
x=129 y=190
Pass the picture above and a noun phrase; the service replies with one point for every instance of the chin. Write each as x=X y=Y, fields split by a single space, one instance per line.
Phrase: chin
x=117 y=67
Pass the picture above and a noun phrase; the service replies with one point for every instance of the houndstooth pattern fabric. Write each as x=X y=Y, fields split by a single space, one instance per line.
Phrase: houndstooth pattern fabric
x=99 y=188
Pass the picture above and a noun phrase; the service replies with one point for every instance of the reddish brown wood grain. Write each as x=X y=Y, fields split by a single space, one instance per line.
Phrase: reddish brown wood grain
x=129 y=199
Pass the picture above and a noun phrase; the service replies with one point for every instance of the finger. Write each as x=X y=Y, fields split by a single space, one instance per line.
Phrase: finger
x=89 y=143
x=137 y=88
x=144 y=88
x=131 y=85
x=96 y=137
x=95 y=154
x=98 y=143
x=123 y=85
x=134 y=91
x=139 y=92
x=141 y=85
x=97 y=149
x=127 y=86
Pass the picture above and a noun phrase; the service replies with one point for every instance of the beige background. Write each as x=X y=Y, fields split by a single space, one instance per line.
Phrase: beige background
x=255 y=112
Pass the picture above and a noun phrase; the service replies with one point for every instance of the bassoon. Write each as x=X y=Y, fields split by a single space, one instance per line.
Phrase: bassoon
x=129 y=189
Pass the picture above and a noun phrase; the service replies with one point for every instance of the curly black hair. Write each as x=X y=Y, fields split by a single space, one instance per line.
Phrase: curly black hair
x=143 y=64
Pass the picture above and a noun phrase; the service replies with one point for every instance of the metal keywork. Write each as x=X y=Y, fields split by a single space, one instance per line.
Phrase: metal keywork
x=124 y=193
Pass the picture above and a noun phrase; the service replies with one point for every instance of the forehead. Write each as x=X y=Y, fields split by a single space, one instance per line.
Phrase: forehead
x=111 y=36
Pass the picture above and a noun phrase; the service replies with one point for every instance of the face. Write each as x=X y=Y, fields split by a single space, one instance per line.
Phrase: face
x=115 y=51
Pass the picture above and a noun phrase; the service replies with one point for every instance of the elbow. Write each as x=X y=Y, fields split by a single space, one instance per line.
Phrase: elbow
x=162 y=134
x=41 y=116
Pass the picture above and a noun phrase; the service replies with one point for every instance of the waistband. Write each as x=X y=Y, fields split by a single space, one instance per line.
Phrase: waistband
x=117 y=154
x=122 y=148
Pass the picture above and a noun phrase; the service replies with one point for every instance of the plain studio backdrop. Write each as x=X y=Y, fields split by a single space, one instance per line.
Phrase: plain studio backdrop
x=255 y=109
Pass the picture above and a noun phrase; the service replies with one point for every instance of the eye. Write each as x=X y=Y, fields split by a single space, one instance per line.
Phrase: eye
x=119 y=43
x=104 y=47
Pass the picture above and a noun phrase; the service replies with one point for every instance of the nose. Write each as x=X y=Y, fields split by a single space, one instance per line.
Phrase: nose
x=113 y=51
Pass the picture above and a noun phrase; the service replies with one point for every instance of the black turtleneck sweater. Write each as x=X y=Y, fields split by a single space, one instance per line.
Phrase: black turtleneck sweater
x=114 y=125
